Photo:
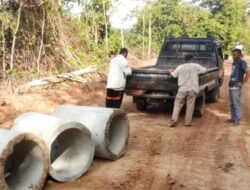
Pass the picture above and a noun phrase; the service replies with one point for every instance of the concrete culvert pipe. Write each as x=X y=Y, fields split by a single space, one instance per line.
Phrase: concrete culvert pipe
x=24 y=161
x=70 y=144
x=109 y=127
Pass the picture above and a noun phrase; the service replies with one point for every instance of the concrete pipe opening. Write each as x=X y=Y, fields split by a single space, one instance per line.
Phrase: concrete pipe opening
x=24 y=162
x=70 y=154
x=109 y=127
x=118 y=135
x=70 y=144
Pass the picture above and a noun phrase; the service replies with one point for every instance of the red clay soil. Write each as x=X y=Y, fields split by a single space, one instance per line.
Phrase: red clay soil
x=213 y=155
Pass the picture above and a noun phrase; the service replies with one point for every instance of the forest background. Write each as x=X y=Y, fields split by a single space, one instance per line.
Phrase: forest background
x=45 y=37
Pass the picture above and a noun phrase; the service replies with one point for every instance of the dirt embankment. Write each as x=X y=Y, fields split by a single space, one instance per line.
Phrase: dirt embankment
x=213 y=155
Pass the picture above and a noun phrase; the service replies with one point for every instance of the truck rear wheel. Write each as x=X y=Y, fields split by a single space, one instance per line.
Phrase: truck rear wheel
x=213 y=95
x=141 y=105
x=200 y=105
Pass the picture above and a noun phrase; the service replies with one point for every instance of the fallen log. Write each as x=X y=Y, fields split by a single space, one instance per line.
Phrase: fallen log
x=74 y=76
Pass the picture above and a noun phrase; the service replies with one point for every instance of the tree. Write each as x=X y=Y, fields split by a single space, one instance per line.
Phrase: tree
x=174 y=19
x=232 y=15
x=149 y=35
x=106 y=27
x=14 y=37
x=225 y=20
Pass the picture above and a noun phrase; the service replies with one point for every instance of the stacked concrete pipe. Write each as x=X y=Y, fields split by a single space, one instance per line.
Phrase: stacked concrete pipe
x=109 y=127
x=70 y=144
x=24 y=161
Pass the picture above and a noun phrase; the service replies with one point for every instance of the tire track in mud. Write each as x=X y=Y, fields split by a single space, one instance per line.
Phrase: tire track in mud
x=153 y=135
x=201 y=150
x=209 y=144
x=187 y=143
x=202 y=144
x=152 y=147
x=162 y=179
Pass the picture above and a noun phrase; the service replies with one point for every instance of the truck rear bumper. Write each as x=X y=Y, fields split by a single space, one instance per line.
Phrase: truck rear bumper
x=142 y=94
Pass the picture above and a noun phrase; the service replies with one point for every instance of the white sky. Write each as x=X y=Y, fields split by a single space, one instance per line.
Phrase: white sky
x=75 y=9
x=121 y=15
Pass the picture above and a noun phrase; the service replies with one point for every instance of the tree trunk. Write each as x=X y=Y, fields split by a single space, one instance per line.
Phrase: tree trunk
x=14 y=37
x=149 y=35
x=96 y=35
x=143 y=36
x=3 y=50
x=106 y=27
x=122 y=38
x=41 y=43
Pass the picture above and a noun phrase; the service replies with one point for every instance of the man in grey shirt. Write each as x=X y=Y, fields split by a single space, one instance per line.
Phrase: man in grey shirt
x=188 y=82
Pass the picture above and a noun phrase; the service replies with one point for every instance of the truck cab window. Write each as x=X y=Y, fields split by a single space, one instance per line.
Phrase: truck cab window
x=220 y=53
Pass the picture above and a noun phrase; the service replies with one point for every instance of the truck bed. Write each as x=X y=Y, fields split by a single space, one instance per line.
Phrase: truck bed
x=156 y=82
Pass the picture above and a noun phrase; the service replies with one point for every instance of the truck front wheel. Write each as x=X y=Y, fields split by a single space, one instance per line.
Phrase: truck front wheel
x=200 y=105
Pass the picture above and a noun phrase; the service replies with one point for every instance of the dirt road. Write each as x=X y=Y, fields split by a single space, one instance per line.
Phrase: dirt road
x=210 y=156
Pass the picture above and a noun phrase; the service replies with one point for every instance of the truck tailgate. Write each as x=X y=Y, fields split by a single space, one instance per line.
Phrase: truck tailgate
x=151 y=79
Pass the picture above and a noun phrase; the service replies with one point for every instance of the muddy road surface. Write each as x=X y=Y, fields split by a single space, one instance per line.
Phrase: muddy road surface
x=212 y=155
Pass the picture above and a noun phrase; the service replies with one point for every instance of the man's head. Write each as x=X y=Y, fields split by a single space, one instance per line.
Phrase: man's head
x=189 y=58
x=237 y=54
x=124 y=52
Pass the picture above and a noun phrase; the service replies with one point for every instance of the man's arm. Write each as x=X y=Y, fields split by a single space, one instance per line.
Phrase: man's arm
x=126 y=69
x=247 y=75
x=174 y=73
x=202 y=69
x=246 y=70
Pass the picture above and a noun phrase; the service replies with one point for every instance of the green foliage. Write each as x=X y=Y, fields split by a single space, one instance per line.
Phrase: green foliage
x=77 y=42
x=14 y=72
x=115 y=41
x=224 y=19
x=68 y=42
x=232 y=16
x=7 y=21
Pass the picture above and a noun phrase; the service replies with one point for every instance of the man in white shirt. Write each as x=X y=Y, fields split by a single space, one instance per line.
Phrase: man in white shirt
x=118 y=72
x=188 y=82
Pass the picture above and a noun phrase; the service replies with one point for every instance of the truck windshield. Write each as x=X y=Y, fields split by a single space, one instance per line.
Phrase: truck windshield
x=173 y=53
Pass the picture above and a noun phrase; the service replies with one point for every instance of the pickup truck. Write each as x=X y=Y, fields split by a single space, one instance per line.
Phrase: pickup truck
x=154 y=84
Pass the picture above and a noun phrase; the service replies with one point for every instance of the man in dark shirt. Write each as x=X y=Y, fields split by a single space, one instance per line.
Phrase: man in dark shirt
x=240 y=75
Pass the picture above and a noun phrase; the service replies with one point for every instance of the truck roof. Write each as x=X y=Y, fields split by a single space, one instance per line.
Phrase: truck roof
x=174 y=51
x=185 y=39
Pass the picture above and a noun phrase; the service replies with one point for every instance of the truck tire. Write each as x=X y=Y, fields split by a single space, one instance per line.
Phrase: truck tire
x=141 y=105
x=213 y=95
x=200 y=105
x=221 y=80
